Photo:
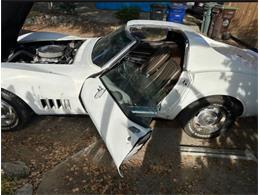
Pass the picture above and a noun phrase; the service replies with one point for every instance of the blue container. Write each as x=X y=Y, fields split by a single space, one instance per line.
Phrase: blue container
x=176 y=13
x=144 y=6
x=109 y=6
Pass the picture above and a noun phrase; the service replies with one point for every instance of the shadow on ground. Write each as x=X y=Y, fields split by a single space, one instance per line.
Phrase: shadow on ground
x=159 y=166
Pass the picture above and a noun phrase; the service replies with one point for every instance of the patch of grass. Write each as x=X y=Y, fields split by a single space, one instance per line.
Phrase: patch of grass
x=67 y=8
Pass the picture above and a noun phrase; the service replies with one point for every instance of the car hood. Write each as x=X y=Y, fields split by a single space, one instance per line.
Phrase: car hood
x=11 y=25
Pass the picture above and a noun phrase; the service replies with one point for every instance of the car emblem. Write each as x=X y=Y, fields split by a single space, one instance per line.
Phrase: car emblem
x=100 y=92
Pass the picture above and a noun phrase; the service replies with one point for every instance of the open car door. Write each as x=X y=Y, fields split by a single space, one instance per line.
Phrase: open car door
x=122 y=136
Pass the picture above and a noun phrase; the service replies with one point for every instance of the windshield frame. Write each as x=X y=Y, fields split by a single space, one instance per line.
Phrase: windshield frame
x=119 y=54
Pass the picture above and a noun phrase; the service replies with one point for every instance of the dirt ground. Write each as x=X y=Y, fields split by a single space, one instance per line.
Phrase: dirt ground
x=46 y=142
x=158 y=168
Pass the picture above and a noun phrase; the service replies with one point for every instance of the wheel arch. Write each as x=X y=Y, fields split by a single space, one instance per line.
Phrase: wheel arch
x=238 y=104
x=17 y=96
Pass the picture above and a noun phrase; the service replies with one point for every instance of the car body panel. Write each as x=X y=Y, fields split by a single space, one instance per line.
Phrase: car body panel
x=46 y=36
x=243 y=87
x=120 y=134
x=37 y=84
x=223 y=57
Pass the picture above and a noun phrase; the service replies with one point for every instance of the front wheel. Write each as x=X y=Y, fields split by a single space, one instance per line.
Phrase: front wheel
x=207 y=118
x=14 y=112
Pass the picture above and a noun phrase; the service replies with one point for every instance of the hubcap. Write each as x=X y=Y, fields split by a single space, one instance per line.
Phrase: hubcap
x=210 y=119
x=8 y=115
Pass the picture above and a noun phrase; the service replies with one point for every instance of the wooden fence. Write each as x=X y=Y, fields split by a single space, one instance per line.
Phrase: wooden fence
x=244 y=25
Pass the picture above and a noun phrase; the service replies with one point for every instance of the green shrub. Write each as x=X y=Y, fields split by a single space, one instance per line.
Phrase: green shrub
x=127 y=14
x=67 y=7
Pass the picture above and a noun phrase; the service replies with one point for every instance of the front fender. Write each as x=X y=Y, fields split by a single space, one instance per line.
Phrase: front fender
x=34 y=85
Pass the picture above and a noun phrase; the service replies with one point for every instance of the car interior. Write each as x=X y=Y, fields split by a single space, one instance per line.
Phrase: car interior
x=161 y=61
x=147 y=72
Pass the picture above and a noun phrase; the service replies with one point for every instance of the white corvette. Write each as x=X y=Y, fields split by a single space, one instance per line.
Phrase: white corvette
x=144 y=70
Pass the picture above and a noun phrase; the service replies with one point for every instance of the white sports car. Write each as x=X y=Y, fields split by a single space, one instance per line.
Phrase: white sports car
x=144 y=70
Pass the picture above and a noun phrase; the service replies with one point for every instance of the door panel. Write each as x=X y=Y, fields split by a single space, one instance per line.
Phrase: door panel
x=122 y=136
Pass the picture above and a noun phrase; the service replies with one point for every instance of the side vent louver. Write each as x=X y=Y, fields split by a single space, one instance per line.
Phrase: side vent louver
x=55 y=104
x=51 y=103
x=58 y=103
x=43 y=102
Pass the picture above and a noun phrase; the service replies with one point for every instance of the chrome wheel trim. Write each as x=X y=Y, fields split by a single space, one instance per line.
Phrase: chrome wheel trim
x=210 y=119
x=9 y=117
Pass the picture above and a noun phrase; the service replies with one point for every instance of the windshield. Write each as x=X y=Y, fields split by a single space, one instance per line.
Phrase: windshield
x=109 y=46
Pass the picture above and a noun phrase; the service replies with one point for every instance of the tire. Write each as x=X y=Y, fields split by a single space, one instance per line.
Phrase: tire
x=209 y=117
x=14 y=108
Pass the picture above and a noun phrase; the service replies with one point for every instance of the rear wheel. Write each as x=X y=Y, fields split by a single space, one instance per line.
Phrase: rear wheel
x=209 y=117
x=14 y=112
